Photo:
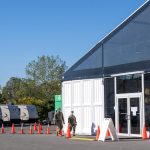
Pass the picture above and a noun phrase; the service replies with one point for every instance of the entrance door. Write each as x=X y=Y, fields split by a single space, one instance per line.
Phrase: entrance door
x=129 y=115
x=123 y=115
x=135 y=115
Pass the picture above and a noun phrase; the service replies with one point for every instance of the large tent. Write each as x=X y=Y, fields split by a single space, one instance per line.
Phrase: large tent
x=113 y=79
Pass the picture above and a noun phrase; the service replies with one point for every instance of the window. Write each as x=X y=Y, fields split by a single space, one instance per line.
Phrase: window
x=131 y=43
x=109 y=98
x=129 y=84
x=128 y=49
x=91 y=61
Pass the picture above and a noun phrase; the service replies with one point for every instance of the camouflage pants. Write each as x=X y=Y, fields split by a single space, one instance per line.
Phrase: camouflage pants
x=59 y=125
x=73 y=127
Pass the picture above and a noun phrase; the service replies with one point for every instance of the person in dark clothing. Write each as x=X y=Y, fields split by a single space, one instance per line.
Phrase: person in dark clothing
x=59 y=121
x=73 y=123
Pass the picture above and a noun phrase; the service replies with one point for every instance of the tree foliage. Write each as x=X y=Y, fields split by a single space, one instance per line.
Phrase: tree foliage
x=46 y=69
x=11 y=88
x=40 y=104
x=2 y=99
x=42 y=83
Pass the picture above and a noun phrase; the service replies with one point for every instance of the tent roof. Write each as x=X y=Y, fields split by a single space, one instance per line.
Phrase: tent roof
x=105 y=39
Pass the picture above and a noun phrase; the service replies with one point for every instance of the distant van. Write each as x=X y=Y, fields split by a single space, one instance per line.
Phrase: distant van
x=51 y=117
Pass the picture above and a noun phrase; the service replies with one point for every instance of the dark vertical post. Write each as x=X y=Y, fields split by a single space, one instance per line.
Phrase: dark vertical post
x=103 y=61
x=103 y=78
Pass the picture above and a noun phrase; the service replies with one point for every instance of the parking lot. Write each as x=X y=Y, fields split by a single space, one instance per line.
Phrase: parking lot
x=51 y=142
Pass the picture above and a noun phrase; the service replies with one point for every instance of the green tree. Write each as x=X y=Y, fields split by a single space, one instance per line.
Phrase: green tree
x=2 y=99
x=46 y=69
x=49 y=90
x=47 y=72
x=11 y=89
x=43 y=82
x=28 y=88
x=40 y=105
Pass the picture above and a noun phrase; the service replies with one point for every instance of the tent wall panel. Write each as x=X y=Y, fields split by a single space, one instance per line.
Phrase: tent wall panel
x=87 y=120
x=87 y=92
x=97 y=116
x=67 y=94
x=77 y=89
x=86 y=98
x=78 y=114
x=66 y=111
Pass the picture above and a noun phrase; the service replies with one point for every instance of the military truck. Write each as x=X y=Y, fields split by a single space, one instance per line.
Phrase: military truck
x=28 y=113
x=10 y=113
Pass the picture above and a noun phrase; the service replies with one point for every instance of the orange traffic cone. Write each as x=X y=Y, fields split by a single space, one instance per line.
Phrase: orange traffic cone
x=2 y=129
x=108 y=133
x=39 y=130
x=41 y=127
x=144 y=136
x=68 y=132
x=48 y=129
x=30 y=130
x=21 y=130
x=60 y=133
x=97 y=133
x=13 y=129
x=35 y=127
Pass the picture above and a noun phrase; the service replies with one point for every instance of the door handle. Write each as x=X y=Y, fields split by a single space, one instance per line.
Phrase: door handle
x=127 y=117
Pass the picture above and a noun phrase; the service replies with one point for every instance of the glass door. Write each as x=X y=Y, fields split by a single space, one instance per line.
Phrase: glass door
x=135 y=115
x=128 y=115
x=123 y=115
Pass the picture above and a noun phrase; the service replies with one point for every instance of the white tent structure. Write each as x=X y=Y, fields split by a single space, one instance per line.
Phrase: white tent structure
x=112 y=80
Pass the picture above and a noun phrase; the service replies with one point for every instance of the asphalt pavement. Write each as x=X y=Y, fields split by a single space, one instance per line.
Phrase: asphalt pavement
x=52 y=142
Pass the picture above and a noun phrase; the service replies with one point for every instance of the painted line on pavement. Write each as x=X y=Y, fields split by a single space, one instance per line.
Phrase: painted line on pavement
x=83 y=139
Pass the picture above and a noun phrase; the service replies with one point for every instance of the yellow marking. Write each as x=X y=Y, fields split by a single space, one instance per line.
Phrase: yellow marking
x=84 y=139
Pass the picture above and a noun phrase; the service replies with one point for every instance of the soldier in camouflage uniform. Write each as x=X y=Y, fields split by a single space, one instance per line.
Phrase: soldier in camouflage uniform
x=72 y=121
x=59 y=121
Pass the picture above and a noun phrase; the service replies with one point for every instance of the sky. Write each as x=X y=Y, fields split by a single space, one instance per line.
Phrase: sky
x=68 y=28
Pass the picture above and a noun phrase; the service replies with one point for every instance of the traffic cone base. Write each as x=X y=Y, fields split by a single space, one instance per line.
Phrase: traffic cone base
x=13 y=129
x=97 y=133
x=144 y=136
x=68 y=132
x=21 y=131
x=61 y=133
x=48 y=130
x=41 y=127
x=39 y=130
x=108 y=133
x=2 y=129
x=30 y=130
x=35 y=127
